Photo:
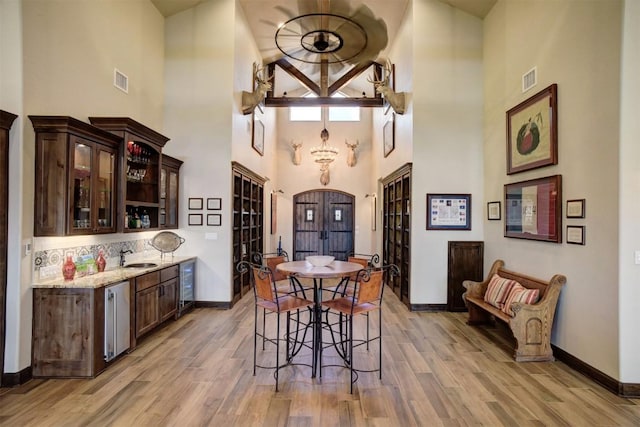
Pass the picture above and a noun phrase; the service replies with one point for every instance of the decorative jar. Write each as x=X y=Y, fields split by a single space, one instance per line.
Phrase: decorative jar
x=68 y=268
x=101 y=262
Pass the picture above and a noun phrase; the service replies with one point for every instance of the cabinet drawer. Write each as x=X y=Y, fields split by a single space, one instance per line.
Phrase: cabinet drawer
x=147 y=280
x=169 y=273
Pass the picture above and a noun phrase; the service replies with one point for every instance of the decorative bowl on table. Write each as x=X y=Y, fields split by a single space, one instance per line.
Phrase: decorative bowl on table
x=319 y=260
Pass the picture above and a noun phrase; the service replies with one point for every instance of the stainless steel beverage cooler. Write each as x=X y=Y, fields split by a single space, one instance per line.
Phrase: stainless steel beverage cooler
x=187 y=286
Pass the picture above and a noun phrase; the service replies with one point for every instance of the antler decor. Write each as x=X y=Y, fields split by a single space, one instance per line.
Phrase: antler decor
x=251 y=99
x=297 y=153
x=351 y=154
x=395 y=99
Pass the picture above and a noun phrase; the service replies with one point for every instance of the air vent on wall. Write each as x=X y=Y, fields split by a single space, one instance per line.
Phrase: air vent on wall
x=529 y=79
x=120 y=80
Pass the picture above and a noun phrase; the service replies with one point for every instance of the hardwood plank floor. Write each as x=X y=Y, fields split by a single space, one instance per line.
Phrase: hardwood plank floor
x=437 y=371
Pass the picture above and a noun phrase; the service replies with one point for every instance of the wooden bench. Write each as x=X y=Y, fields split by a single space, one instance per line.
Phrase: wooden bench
x=531 y=324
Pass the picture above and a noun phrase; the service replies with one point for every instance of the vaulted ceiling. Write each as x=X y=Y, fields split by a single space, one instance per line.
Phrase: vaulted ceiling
x=379 y=19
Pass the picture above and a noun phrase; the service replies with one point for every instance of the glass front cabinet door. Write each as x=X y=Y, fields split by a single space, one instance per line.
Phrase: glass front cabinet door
x=93 y=188
x=169 y=183
x=76 y=177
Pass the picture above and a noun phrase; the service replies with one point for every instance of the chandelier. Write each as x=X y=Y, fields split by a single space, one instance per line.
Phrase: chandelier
x=324 y=153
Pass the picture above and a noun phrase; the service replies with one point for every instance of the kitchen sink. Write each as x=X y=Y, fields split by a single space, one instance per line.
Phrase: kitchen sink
x=141 y=265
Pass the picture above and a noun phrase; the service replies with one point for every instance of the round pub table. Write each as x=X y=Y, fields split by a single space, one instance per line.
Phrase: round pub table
x=336 y=269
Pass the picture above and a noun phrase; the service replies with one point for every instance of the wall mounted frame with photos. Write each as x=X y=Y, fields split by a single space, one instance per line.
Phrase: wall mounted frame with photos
x=448 y=211
x=214 y=219
x=389 y=135
x=195 y=203
x=214 y=204
x=195 y=219
x=493 y=211
x=575 y=208
x=533 y=209
x=575 y=234
x=257 y=137
x=532 y=132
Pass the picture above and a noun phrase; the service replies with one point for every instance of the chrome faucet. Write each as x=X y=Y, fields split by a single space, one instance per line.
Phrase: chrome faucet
x=122 y=258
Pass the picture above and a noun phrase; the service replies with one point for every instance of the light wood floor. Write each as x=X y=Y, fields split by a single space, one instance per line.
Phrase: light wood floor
x=436 y=371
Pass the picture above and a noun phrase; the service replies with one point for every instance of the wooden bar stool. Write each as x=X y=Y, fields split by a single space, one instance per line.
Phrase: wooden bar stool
x=367 y=294
x=268 y=298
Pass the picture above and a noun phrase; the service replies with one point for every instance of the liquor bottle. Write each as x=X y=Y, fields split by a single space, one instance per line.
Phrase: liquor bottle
x=137 y=220
x=146 y=222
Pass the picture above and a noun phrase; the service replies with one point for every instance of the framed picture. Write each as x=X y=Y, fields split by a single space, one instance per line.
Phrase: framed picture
x=532 y=132
x=533 y=209
x=214 y=204
x=195 y=203
x=493 y=211
x=214 y=219
x=195 y=219
x=448 y=211
x=575 y=208
x=575 y=234
x=388 y=135
x=257 y=139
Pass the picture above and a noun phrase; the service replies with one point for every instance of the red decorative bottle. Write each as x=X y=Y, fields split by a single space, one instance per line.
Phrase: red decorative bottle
x=68 y=268
x=101 y=262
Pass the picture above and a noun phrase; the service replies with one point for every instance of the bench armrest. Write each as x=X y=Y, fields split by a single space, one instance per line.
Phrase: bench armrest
x=477 y=289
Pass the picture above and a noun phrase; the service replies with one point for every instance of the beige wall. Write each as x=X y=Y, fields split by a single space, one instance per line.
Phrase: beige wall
x=293 y=179
x=579 y=49
x=18 y=320
x=70 y=50
x=629 y=177
x=202 y=108
x=447 y=135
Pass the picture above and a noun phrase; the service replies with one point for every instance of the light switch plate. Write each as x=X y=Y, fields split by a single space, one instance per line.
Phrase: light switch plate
x=637 y=257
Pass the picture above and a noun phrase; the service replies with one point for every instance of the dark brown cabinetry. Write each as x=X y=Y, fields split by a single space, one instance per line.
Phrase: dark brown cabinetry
x=169 y=191
x=6 y=120
x=396 y=233
x=68 y=332
x=76 y=184
x=155 y=298
x=140 y=164
x=248 y=219
x=465 y=262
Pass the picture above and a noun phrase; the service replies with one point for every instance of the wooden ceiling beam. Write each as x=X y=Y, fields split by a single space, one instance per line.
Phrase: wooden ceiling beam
x=298 y=75
x=348 y=76
x=322 y=101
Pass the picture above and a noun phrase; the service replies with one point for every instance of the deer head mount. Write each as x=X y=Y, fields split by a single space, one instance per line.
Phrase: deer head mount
x=297 y=153
x=262 y=85
x=351 y=154
x=395 y=99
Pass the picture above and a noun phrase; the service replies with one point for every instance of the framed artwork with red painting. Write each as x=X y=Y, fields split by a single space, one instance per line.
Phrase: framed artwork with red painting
x=532 y=132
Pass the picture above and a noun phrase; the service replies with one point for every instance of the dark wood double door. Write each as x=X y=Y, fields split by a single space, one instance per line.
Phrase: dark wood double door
x=323 y=224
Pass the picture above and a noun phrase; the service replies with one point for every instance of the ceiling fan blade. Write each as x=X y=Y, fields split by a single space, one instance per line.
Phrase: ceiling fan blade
x=376 y=30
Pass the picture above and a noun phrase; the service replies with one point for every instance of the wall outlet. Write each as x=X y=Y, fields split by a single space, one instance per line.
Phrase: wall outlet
x=26 y=244
x=637 y=257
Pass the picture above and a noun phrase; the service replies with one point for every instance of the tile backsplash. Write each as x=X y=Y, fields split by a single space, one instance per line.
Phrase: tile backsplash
x=50 y=260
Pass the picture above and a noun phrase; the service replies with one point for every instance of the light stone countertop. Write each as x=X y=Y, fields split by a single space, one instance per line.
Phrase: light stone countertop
x=107 y=277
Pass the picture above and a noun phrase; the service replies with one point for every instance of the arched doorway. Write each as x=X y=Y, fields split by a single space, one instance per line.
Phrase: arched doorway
x=323 y=224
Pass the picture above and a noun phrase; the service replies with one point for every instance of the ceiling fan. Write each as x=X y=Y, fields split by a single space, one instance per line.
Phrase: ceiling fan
x=333 y=32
